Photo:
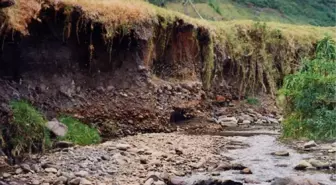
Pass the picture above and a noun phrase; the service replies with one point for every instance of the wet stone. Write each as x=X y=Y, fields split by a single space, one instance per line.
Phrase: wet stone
x=246 y=171
x=280 y=153
x=318 y=164
x=302 y=165
x=310 y=144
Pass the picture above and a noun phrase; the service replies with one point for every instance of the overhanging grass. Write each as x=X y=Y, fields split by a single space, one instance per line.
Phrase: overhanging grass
x=261 y=54
x=79 y=133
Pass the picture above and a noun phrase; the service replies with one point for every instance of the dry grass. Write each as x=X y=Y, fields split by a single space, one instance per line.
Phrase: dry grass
x=19 y=16
x=114 y=12
x=259 y=52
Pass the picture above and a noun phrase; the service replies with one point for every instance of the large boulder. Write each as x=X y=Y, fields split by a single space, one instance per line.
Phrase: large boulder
x=6 y=3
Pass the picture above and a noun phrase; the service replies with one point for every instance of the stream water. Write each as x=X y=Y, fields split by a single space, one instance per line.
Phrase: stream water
x=266 y=167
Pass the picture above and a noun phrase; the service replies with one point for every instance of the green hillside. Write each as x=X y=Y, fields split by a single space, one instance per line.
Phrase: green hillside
x=313 y=12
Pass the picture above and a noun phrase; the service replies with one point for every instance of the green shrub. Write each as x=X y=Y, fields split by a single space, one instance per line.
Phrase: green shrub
x=27 y=129
x=252 y=101
x=79 y=133
x=310 y=105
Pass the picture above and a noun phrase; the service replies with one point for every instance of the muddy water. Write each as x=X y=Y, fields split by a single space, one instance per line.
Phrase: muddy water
x=264 y=166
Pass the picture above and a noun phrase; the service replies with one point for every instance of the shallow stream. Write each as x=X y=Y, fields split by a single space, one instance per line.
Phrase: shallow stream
x=266 y=167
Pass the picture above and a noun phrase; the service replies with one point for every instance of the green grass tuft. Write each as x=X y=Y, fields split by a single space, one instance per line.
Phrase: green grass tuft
x=252 y=101
x=79 y=133
x=28 y=131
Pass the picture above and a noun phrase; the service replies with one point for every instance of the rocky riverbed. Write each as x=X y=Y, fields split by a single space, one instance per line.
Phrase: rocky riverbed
x=175 y=159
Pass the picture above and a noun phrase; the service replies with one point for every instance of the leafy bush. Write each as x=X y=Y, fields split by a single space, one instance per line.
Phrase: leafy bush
x=310 y=101
x=79 y=133
x=27 y=129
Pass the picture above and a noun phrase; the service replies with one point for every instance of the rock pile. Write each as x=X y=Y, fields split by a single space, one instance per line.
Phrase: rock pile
x=142 y=159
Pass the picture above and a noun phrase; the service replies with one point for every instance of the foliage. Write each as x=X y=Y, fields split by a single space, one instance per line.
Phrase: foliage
x=79 y=133
x=311 y=12
x=215 y=5
x=28 y=131
x=252 y=101
x=310 y=95
x=326 y=49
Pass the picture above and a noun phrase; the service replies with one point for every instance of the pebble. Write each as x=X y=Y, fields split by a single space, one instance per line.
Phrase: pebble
x=123 y=147
x=302 y=165
x=246 y=171
x=149 y=181
x=35 y=182
x=318 y=164
x=237 y=166
x=105 y=157
x=215 y=174
x=61 y=179
x=26 y=168
x=51 y=170
x=75 y=181
x=18 y=171
x=82 y=173
x=159 y=183
x=85 y=182
x=280 y=153
x=6 y=175
x=223 y=166
x=333 y=150
x=310 y=144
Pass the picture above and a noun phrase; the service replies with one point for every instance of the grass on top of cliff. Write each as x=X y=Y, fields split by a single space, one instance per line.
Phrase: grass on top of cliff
x=127 y=13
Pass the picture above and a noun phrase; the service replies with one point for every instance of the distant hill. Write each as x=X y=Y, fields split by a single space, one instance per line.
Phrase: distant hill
x=313 y=12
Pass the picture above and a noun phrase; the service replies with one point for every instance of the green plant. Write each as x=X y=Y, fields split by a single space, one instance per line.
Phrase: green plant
x=79 y=133
x=27 y=129
x=310 y=105
x=252 y=101
x=214 y=4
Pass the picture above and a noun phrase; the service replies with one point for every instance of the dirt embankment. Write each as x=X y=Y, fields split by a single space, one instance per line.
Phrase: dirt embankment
x=129 y=78
x=117 y=87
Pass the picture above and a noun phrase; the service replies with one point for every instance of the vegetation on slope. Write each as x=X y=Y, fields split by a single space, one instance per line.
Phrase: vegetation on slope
x=312 y=12
x=310 y=95
x=27 y=130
